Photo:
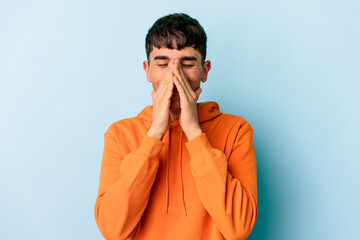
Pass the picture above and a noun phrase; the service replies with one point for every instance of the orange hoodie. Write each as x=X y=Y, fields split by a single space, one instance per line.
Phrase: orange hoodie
x=177 y=189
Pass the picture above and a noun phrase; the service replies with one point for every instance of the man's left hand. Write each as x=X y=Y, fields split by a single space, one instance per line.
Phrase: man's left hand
x=188 y=118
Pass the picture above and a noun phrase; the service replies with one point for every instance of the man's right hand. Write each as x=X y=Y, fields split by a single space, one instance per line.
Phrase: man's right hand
x=161 y=104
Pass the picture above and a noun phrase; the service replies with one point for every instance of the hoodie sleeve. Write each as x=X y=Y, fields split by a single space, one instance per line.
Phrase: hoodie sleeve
x=125 y=184
x=227 y=187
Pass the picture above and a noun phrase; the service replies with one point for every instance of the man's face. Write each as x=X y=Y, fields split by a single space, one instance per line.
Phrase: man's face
x=190 y=62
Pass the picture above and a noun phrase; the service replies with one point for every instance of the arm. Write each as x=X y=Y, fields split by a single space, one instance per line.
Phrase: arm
x=126 y=181
x=125 y=184
x=227 y=188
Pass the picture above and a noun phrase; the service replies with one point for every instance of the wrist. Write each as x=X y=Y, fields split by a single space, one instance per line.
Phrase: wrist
x=191 y=134
x=155 y=134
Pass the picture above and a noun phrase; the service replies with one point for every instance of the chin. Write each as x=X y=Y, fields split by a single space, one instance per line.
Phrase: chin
x=175 y=105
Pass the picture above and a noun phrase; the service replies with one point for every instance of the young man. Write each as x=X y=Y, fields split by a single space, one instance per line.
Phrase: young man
x=179 y=169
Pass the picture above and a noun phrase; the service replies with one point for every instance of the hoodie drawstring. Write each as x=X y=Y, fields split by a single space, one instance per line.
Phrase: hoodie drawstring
x=181 y=174
x=167 y=174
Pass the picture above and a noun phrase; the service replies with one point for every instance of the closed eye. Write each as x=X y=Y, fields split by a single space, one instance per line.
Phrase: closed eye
x=187 y=66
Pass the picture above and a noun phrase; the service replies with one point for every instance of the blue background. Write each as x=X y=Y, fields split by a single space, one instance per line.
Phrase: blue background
x=69 y=69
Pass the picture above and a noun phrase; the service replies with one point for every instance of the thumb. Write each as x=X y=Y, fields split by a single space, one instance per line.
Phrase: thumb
x=152 y=93
x=197 y=92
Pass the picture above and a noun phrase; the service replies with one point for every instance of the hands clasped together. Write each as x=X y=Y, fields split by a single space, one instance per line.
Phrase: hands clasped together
x=162 y=101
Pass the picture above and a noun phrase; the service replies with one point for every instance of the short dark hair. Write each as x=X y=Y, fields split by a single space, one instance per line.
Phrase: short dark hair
x=178 y=28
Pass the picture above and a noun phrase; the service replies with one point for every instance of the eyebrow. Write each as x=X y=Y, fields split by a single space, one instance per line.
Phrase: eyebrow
x=186 y=58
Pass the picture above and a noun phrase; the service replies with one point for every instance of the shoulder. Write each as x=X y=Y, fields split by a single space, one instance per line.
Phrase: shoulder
x=125 y=125
x=235 y=121
x=226 y=127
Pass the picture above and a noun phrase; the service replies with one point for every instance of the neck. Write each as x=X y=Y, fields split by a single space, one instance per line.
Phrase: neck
x=174 y=115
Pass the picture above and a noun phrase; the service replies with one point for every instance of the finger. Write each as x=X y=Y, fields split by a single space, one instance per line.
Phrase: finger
x=169 y=81
x=185 y=81
x=180 y=89
x=163 y=83
x=169 y=84
x=166 y=85
x=181 y=78
x=197 y=93
x=167 y=90
x=165 y=78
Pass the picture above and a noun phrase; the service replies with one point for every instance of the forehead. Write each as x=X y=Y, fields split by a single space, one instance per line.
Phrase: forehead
x=175 y=53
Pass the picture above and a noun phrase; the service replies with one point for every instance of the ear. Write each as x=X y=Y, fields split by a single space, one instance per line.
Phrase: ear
x=206 y=69
x=146 y=69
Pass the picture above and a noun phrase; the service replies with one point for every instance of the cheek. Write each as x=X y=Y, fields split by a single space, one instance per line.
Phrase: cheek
x=193 y=76
x=156 y=77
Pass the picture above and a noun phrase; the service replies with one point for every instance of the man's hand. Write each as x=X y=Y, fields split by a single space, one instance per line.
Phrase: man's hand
x=188 y=118
x=161 y=104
